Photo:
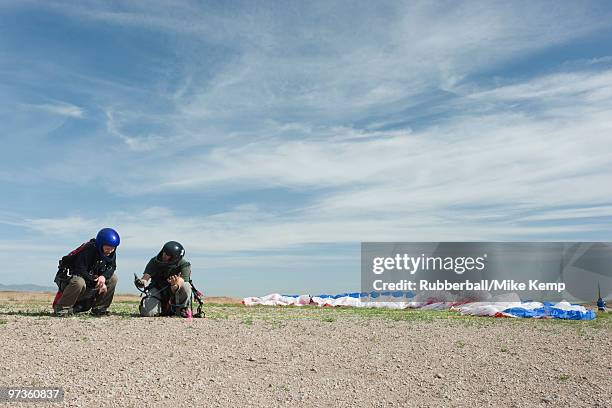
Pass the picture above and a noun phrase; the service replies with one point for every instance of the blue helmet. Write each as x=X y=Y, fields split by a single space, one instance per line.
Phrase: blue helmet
x=107 y=236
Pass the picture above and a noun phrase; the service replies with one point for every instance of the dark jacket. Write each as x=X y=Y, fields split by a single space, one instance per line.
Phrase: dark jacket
x=160 y=271
x=89 y=264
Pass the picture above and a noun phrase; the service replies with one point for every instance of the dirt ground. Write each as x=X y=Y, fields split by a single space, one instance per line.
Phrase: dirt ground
x=309 y=356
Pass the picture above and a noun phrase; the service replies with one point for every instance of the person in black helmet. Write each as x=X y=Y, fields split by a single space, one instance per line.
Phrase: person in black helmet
x=169 y=288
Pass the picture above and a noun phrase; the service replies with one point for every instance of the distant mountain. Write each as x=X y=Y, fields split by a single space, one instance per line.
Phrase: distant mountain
x=27 y=288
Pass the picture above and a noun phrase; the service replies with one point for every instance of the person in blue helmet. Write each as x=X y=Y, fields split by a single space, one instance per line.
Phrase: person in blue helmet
x=86 y=276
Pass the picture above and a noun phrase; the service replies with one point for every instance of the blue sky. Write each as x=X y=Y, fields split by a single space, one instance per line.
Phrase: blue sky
x=271 y=138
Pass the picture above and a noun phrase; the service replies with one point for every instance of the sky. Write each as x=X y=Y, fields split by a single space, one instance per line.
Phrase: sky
x=272 y=138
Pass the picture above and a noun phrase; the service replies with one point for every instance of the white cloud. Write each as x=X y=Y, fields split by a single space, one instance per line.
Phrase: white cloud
x=33 y=248
x=137 y=144
x=475 y=175
x=61 y=226
x=59 y=108
x=250 y=229
x=263 y=97
x=318 y=64
x=573 y=213
x=500 y=155
x=557 y=88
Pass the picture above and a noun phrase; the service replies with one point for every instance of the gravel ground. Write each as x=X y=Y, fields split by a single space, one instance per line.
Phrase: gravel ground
x=308 y=358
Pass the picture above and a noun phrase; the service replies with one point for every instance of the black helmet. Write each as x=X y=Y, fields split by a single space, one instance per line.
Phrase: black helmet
x=174 y=249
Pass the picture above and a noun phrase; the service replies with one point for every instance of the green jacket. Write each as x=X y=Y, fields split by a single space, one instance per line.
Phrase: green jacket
x=160 y=271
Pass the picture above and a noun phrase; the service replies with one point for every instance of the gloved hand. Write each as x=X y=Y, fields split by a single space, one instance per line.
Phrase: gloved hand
x=140 y=283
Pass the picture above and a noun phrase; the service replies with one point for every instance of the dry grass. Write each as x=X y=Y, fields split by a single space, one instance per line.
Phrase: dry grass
x=8 y=297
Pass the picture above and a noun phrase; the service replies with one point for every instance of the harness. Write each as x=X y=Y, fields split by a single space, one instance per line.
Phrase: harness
x=63 y=274
x=145 y=293
x=65 y=265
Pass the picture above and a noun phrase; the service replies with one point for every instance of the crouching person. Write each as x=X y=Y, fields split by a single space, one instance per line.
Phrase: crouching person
x=86 y=277
x=169 y=290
